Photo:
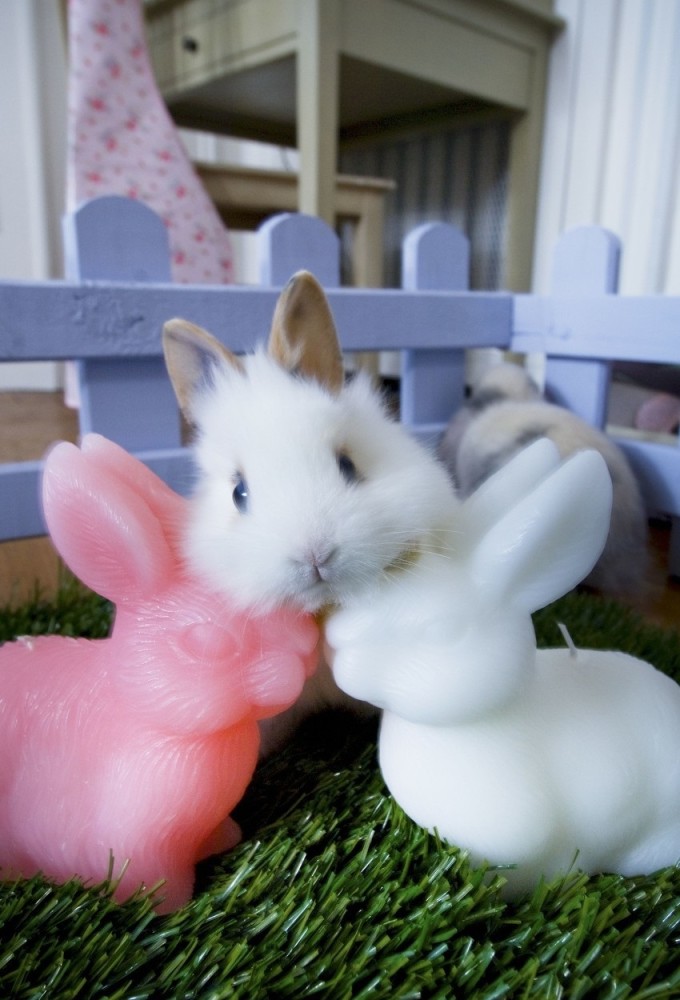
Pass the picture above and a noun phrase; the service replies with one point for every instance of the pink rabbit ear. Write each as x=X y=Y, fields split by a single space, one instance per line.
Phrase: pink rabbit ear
x=168 y=506
x=103 y=526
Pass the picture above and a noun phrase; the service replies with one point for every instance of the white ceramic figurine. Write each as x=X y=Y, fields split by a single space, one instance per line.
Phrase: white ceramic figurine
x=538 y=760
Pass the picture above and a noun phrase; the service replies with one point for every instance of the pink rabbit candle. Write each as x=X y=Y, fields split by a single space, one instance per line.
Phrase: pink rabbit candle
x=138 y=746
x=533 y=759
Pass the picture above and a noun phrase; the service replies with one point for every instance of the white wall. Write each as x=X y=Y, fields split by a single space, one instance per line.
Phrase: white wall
x=612 y=137
x=32 y=156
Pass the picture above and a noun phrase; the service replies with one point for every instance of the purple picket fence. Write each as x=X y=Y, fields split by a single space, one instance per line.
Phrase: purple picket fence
x=108 y=315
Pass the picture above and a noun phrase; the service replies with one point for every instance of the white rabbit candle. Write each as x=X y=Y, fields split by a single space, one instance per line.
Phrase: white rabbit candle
x=138 y=746
x=533 y=759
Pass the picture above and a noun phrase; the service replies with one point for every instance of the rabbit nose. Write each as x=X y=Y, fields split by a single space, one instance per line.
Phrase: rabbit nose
x=321 y=562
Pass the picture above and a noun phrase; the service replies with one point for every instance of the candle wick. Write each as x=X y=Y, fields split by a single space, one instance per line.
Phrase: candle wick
x=573 y=652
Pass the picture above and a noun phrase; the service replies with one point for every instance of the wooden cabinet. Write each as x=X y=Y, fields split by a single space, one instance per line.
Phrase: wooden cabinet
x=312 y=73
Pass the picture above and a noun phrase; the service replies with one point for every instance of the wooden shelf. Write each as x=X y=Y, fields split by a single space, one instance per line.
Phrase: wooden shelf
x=245 y=196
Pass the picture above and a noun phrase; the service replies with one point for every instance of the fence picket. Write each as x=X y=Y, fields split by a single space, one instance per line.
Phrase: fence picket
x=293 y=242
x=436 y=257
x=128 y=400
x=585 y=263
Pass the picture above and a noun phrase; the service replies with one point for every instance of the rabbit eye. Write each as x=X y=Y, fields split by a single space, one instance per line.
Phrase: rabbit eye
x=348 y=469
x=240 y=495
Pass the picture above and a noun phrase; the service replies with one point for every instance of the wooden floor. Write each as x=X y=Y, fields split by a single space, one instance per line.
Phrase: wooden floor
x=31 y=421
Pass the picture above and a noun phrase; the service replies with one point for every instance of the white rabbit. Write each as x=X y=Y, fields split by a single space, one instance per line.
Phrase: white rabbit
x=504 y=414
x=308 y=492
x=534 y=759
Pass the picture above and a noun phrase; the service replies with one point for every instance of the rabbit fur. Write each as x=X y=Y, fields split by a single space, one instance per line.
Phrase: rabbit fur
x=134 y=749
x=505 y=413
x=338 y=494
x=537 y=760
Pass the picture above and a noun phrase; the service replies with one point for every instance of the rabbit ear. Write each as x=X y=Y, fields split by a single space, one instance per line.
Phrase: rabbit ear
x=168 y=507
x=192 y=355
x=303 y=336
x=102 y=527
x=551 y=539
x=506 y=487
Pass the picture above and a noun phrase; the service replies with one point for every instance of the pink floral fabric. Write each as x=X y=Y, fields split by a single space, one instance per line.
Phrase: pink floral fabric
x=122 y=139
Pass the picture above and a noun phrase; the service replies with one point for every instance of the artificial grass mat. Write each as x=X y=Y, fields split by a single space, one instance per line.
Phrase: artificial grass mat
x=335 y=893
